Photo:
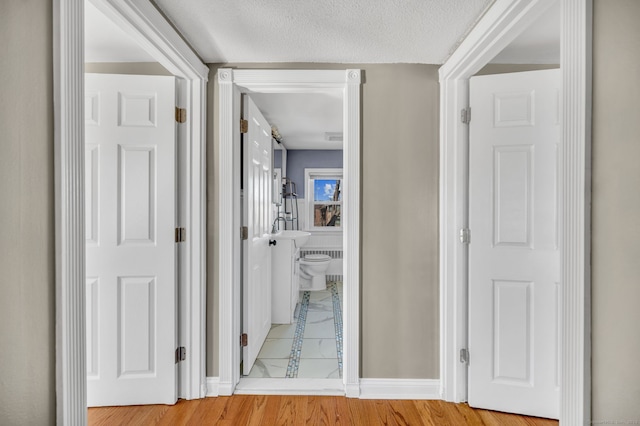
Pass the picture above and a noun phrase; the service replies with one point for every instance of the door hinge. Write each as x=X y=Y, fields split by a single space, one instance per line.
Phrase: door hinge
x=244 y=126
x=244 y=233
x=465 y=115
x=465 y=236
x=181 y=115
x=464 y=356
x=244 y=339
x=181 y=354
x=181 y=235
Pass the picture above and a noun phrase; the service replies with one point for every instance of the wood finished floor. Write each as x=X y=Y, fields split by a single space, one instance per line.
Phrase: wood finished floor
x=307 y=410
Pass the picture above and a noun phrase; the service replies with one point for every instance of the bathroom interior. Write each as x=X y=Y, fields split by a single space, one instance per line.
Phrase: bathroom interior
x=305 y=339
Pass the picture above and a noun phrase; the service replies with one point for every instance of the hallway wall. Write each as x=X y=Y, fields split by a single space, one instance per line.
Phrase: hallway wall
x=399 y=293
x=616 y=211
x=27 y=282
x=399 y=219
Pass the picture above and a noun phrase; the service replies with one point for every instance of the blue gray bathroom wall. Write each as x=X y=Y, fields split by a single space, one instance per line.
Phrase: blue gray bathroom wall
x=277 y=158
x=300 y=159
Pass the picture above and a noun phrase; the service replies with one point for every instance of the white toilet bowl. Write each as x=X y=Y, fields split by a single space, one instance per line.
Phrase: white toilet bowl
x=313 y=268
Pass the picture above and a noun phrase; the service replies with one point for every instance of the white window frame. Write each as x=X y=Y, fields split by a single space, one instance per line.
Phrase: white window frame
x=310 y=175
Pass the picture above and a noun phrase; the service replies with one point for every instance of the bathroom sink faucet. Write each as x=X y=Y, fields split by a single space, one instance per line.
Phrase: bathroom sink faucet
x=275 y=222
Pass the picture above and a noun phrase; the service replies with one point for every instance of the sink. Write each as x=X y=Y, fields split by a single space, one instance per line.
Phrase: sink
x=299 y=237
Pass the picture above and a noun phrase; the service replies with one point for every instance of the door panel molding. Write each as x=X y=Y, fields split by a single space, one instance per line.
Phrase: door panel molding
x=504 y=21
x=149 y=28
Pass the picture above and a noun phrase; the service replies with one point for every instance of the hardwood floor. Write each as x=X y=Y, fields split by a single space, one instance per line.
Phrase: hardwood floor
x=307 y=410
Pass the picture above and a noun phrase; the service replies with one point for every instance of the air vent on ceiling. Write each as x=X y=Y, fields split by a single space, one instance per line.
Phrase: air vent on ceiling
x=333 y=136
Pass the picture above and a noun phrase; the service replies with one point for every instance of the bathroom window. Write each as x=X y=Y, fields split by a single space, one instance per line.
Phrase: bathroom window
x=324 y=199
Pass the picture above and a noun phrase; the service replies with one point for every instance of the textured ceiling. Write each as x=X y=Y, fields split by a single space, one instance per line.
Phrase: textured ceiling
x=342 y=31
x=303 y=118
x=104 y=41
x=376 y=31
x=538 y=44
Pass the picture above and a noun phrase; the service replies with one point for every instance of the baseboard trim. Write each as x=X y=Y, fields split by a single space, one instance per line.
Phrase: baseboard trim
x=400 y=389
x=367 y=389
x=213 y=386
x=271 y=386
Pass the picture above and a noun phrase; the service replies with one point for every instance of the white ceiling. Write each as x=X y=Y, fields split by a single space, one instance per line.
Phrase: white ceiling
x=354 y=31
x=340 y=31
x=303 y=119
x=104 y=41
x=538 y=44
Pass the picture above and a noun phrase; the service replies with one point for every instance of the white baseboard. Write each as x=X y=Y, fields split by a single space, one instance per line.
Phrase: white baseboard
x=271 y=386
x=368 y=389
x=400 y=389
x=213 y=386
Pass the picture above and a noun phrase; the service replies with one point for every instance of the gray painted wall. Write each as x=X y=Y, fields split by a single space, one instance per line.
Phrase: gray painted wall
x=27 y=281
x=399 y=307
x=399 y=281
x=299 y=159
x=616 y=211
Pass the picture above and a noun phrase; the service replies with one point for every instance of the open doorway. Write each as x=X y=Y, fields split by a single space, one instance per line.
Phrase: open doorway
x=174 y=55
x=232 y=84
x=480 y=47
x=131 y=191
x=304 y=340
x=514 y=257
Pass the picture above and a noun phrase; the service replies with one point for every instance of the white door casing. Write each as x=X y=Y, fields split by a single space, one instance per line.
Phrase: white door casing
x=145 y=24
x=130 y=207
x=231 y=83
x=258 y=187
x=514 y=268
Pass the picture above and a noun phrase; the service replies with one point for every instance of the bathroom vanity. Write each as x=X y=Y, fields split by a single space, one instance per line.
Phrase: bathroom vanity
x=285 y=287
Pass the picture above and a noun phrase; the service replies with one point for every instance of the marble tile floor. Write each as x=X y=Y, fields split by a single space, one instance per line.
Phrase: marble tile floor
x=311 y=347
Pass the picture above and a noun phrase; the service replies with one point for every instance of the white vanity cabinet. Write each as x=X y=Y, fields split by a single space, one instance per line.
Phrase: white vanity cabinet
x=285 y=285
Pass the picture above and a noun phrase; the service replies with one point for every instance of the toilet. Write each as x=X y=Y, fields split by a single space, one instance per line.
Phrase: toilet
x=313 y=268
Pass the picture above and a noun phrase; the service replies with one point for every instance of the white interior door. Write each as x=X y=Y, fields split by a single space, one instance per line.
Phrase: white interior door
x=130 y=246
x=257 y=178
x=513 y=256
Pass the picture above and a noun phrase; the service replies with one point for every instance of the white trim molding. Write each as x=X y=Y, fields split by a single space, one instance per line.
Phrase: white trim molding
x=400 y=389
x=575 y=265
x=273 y=386
x=68 y=83
x=212 y=387
x=149 y=28
x=231 y=84
x=504 y=21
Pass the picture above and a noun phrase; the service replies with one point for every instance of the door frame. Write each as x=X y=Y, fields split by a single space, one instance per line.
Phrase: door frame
x=231 y=83
x=502 y=23
x=141 y=20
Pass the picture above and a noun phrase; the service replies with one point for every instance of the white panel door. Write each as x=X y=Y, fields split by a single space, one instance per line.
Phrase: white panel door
x=257 y=178
x=131 y=251
x=513 y=256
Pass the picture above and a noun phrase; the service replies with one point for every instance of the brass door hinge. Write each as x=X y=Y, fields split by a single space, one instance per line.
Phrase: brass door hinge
x=464 y=356
x=244 y=339
x=244 y=126
x=181 y=235
x=181 y=115
x=244 y=233
x=465 y=115
x=465 y=236
x=181 y=354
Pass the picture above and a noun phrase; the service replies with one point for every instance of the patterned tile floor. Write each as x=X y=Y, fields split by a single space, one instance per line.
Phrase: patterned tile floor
x=311 y=347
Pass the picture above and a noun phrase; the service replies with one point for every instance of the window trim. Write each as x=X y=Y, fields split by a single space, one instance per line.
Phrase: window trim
x=311 y=174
